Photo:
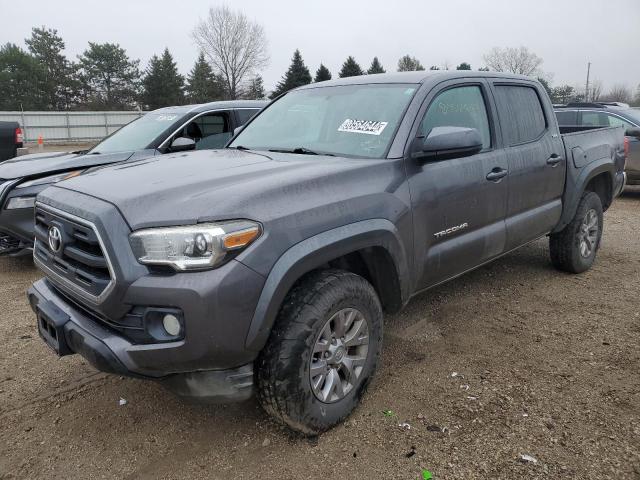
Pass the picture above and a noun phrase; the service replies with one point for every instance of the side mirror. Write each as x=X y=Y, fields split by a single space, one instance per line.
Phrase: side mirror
x=183 y=144
x=633 y=132
x=447 y=142
x=237 y=130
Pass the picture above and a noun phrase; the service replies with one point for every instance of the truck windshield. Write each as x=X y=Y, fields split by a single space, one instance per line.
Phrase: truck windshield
x=139 y=134
x=348 y=120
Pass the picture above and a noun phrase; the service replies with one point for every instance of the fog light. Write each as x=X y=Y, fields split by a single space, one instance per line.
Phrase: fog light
x=171 y=324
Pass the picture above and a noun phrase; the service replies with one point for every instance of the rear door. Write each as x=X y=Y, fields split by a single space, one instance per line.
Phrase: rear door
x=536 y=161
x=458 y=213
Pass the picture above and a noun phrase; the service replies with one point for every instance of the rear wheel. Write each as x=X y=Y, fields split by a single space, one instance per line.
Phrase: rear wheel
x=322 y=352
x=574 y=249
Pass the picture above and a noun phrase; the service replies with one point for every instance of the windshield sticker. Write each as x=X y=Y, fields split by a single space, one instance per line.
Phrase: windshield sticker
x=368 y=127
x=166 y=118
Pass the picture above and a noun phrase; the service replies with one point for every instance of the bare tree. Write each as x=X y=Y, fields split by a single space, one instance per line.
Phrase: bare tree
x=595 y=91
x=235 y=46
x=618 y=93
x=513 y=60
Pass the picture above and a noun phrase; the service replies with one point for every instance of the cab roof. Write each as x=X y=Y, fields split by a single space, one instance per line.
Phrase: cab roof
x=415 y=77
x=203 y=107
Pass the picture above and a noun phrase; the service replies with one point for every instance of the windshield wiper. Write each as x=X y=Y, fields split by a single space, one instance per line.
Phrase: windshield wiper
x=241 y=147
x=300 y=150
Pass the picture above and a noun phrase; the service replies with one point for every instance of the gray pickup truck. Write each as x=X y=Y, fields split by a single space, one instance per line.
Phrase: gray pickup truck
x=266 y=266
x=170 y=129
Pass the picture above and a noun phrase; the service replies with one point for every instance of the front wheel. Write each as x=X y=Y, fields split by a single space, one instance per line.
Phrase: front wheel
x=322 y=352
x=574 y=249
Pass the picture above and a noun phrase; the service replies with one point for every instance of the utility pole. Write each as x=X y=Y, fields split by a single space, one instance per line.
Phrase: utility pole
x=586 y=90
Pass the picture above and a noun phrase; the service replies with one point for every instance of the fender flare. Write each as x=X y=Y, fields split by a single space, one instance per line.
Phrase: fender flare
x=580 y=182
x=314 y=252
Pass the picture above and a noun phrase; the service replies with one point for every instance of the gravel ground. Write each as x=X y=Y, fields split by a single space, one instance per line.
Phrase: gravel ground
x=512 y=359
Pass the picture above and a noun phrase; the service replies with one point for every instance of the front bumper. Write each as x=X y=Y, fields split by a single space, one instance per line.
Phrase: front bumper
x=69 y=330
x=16 y=232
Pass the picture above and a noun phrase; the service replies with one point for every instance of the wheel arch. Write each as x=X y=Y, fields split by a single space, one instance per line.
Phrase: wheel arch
x=599 y=177
x=370 y=248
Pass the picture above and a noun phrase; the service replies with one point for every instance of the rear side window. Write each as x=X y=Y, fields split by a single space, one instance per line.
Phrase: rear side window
x=567 y=119
x=245 y=114
x=594 y=119
x=521 y=113
x=618 y=122
x=458 y=107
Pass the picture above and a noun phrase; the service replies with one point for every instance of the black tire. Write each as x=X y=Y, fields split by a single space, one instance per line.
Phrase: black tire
x=283 y=368
x=565 y=246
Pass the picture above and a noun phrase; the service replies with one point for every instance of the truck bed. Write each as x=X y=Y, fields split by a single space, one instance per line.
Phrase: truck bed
x=589 y=151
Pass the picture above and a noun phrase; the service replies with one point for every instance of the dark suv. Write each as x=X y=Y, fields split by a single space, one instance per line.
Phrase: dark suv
x=586 y=116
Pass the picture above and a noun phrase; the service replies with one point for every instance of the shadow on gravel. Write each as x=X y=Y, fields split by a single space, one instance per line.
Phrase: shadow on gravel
x=16 y=263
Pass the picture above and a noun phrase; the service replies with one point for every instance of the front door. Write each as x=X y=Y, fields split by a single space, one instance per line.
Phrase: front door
x=458 y=204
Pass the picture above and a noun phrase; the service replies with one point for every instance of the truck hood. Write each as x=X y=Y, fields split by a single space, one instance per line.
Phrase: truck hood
x=212 y=185
x=42 y=164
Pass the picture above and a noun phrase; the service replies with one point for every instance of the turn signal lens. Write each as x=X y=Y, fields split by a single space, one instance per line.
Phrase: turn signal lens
x=235 y=240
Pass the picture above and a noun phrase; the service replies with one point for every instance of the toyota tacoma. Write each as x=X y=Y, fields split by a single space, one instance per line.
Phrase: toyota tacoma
x=266 y=266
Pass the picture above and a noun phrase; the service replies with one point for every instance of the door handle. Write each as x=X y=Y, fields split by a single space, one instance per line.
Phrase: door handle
x=496 y=174
x=554 y=160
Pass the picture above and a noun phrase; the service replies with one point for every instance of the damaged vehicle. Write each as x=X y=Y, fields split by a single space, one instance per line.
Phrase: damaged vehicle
x=171 y=129
x=267 y=267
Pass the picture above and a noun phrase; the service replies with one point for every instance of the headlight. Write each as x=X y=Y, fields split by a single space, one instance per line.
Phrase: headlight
x=195 y=247
x=20 y=202
x=58 y=177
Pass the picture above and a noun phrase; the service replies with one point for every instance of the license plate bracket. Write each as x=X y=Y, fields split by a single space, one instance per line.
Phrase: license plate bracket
x=51 y=322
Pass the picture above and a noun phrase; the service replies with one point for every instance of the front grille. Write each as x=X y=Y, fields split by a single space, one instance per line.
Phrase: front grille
x=79 y=264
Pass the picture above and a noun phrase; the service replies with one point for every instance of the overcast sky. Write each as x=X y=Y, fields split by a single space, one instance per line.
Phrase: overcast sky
x=565 y=33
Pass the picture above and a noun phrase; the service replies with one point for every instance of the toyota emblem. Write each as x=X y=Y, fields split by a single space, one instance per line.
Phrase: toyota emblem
x=55 y=239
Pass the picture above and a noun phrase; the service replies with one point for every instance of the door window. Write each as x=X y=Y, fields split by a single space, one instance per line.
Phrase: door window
x=245 y=114
x=458 y=107
x=210 y=131
x=594 y=119
x=521 y=113
x=618 y=122
x=567 y=118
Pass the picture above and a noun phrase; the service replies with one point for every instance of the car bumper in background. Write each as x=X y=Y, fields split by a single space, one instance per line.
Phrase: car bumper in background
x=619 y=183
x=16 y=231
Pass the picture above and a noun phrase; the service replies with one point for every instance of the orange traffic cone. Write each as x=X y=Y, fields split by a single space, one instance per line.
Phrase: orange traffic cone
x=40 y=142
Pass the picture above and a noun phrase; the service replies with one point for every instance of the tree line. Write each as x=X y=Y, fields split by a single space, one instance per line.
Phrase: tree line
x=104 y=77
x=233 y=51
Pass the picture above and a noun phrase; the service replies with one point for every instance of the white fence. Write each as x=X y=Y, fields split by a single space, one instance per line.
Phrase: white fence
x=69 y=126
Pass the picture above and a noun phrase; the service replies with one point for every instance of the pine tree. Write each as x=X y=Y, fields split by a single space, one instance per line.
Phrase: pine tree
x=202 y=84
x=21 y=77
x=110 y=79
x=59 y=87
x=376 y=67
x=409 y=64
x=163 y=85
x=322 y=74
x=255 y=91
x=297 y=75
x=350 y=68
x=464 y=66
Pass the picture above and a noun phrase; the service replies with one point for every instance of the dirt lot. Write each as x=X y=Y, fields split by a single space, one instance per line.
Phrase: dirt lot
x=547 y=365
